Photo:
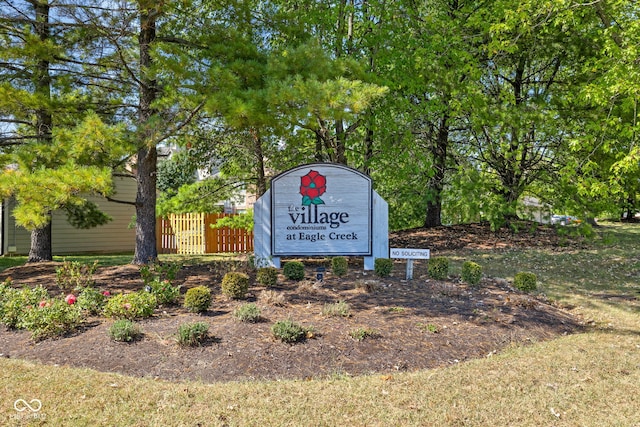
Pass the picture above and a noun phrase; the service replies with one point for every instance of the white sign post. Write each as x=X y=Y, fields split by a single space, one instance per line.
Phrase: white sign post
x=322 y=209
x=409 y=255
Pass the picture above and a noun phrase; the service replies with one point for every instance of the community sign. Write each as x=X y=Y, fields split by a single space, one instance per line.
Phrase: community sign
x=321 y=209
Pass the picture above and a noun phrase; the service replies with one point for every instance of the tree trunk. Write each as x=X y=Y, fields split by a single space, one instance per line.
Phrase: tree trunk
x=40 y=250
x=261 y=179
x=436 y=183
x=41 y=238
x=146 y=250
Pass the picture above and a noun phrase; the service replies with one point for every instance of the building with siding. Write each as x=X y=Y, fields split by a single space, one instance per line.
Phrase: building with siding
x=117 y=236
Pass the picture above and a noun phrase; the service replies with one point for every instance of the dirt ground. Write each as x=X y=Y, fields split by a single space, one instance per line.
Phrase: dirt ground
x=417 y=324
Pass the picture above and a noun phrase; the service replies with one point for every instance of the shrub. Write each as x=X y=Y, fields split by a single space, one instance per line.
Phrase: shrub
x=293 y=270
x=131 y=306
x=235 y=285
x=359 y=334
x=340 y=308
x=383 y=266
x=16 y=301
x=249 y=313
x=51 y=319
x=267 y=276
x=525 y=281
x=164 y=291
x=339 y=265
x=75 y=275
x=471 y=272
x=192 y=334
x=272 y=298
x=198 y=299
x=159 y=272
x=438 y=268
x=91 y=300
x=124 y=330
x=288 y=331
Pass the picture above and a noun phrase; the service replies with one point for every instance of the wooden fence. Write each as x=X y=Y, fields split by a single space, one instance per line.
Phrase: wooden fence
x=192 y=234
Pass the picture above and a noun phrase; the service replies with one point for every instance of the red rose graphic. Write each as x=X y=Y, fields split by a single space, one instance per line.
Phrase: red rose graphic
x=312 y=186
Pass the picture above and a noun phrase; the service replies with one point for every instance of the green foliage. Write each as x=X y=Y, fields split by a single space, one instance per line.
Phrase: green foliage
x=360 y=334
x=176 y=171
x=124 y=330
x=525 y=281
x=288 y=331
x=340 y=308
x=235 y=285
x=75 y=275
x=15 y=302
x=164 y=291
x=241 y=221
x=428 y=327
x=91 y=300
x=135 y=305
x=267 y=276
x=293 y=270
x=383 y=267
x=249 y=313
x=200 y=197
x=339 y=265
x=158 y=271
x=471 y=272
x=198 y=299
x=51 y=319
x=192 y=334
x=438 y=268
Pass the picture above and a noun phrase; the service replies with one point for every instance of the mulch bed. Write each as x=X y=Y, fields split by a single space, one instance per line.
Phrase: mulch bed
x=417 y=324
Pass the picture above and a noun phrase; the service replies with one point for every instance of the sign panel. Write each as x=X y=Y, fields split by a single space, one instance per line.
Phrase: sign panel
x=406 y=253
x=321 y=209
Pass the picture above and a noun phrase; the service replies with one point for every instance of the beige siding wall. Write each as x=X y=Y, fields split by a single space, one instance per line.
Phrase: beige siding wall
x=115 y=236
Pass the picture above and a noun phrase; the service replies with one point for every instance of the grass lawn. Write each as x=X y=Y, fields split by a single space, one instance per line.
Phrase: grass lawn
x=588 y=379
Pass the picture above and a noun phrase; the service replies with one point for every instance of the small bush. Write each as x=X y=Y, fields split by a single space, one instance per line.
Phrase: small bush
x=51 y=319
x=75 y=275
x=359 y=334
x=339 y=265
x=192 y=334
x=288 y=331
x=272 y=298
x=164 y=291
x=383 y=266
x=16 y=301
x=198 y=299
x=293 y=270
x=525 y=281
x=471 y=272
x=235 y=285
x=91 y=301
x=124 y=330
x=249 y=313
x=438 y=268
x=340 y=308
x=159 y=272
x=135 y=305
x=428 y=327
x=267 y=276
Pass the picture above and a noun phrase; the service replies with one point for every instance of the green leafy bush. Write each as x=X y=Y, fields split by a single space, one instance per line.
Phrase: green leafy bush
x=288 y=331
x=249 y=313
x=293 y=270
x=525 y=281
x=164 y=291
x=235 y=285
x=91 y=300
x=360 y=334
x=160 y=272
x=340 y=308
x=75 y=275
x=135 y=305
x=192 y=334
x=267 y=276
x=339 y=265
x=471 y=272
x=198 y=299
x=438 y=268
x=51 y=319
x=383 y=267
x=16 y=301
x=124 y=330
